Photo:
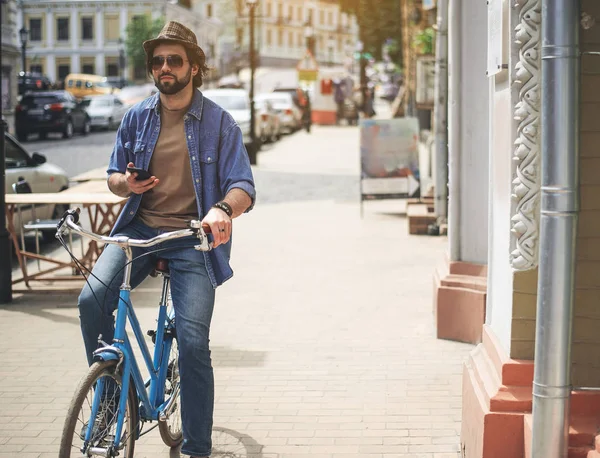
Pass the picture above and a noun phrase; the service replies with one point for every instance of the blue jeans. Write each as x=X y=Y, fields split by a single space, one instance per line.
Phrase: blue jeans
x=193 y=300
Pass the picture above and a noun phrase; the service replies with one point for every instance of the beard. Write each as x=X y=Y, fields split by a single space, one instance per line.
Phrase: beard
x=172 y=87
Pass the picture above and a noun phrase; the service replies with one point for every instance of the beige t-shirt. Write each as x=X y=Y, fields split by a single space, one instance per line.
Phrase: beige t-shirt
x=173 y=201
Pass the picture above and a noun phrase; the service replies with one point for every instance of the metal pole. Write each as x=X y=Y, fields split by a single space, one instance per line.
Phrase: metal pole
x=558 y=227
x=454 y=116
x=23 y=57
x=254 y=148
x=441 y=113
x=5 y=248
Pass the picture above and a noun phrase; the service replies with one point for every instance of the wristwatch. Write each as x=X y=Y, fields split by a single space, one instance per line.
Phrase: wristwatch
x=222 y=205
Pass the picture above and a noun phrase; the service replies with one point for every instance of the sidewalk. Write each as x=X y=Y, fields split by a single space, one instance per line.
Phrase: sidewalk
x=323 y=342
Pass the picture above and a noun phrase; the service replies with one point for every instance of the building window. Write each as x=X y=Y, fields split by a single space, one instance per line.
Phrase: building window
x=62 y=28
x=300 y=40
x=112 y=70
x=269 y=37
x=268 y=13
x=35 y=29
x=62 y=71
x=87 y=28
x=329 y=18
x=139 y=73
x=111 y=25
x=279 y=10
x=209 y=11
x=299 y=14
x=88 y=69
x=322 y=17
x=280 y=38
x=290 y=40
x=291 y=13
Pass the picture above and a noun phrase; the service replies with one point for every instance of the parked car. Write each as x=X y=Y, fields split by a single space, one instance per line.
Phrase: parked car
x=106 y=111
x=52 y=111
x=130 y=95
x=290 y=114
x=39 y=174
x=270 y=122
x=29 y=81
x=116 y=81
x=237 y=103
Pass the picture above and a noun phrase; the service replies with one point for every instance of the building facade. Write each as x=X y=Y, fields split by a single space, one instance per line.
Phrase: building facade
x=11 y=64
x=84 y=36
x=283 y=30
x=531 y=384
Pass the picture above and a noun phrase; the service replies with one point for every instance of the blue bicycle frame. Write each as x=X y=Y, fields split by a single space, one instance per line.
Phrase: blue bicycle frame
x=152 y=402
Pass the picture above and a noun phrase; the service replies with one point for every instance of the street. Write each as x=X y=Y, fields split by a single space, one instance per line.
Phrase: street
x=323 y=343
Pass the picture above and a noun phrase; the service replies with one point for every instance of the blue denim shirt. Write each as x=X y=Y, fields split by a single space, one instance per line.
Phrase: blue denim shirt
x=218 y=160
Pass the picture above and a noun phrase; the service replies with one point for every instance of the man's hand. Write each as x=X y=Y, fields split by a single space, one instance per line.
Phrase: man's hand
x=220 y=226
x=141 y=186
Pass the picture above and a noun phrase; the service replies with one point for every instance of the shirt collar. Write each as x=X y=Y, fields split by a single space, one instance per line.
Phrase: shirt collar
x=194 y=110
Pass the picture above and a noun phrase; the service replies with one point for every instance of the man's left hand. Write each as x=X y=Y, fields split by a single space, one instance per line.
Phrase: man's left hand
x=220 y=226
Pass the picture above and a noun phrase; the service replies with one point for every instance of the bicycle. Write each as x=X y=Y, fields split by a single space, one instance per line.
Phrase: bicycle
x=114 y=421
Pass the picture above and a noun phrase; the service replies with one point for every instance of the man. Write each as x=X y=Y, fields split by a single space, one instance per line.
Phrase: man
x=200 y=170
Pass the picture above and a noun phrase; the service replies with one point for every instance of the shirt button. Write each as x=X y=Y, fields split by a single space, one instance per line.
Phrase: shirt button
x=131 y=213
x=197 y=180
x=193 y=158
x=185 y=118
x=209 y=159
x=189 y=136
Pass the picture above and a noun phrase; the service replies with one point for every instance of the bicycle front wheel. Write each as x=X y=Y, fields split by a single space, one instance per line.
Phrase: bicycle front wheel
x=105 y=422
x=170 y=429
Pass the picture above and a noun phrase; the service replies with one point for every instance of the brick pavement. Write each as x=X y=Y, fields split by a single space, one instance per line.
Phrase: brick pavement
x=323 y=342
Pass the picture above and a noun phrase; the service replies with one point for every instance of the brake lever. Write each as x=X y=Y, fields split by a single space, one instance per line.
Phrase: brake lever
x=73 y=213
x=201 y=232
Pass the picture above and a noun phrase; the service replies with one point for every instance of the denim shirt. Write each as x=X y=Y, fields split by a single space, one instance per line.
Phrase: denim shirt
x=218 y=159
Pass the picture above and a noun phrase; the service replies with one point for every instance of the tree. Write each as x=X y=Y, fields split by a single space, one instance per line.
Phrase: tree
x=142 y=28
x=379 y=22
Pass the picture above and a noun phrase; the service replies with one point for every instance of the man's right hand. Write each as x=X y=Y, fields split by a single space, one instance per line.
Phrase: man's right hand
x=141 y=186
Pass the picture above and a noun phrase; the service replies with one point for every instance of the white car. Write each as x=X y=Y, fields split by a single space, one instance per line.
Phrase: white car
x=41 y=176
x=105 y=111
x=270 y=121
x=290 y=115
x=237 y=103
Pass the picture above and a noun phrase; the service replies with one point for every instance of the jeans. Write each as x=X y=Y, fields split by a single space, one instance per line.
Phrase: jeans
x=193 y=300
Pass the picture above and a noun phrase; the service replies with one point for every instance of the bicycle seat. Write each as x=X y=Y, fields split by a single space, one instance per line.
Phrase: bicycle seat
x=161 y=267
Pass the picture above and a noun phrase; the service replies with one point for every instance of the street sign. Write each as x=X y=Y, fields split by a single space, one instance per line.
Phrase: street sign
x=308 y=69
x=389 y=158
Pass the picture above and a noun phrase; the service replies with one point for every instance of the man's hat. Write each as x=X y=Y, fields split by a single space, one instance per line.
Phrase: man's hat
x=174 y=32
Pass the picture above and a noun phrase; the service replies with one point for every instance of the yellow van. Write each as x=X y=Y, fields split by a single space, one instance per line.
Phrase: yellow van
x=81 y=85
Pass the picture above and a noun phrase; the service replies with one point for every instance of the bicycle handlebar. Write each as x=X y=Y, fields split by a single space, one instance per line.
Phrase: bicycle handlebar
x=197 y=229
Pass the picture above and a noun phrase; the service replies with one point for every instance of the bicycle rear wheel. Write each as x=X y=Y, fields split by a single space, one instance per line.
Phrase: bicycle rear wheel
x=104 y=429
x=170 y=428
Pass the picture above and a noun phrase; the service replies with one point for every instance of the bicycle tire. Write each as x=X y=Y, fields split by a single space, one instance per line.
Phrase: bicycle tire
x=172 y=436
x=95 y=372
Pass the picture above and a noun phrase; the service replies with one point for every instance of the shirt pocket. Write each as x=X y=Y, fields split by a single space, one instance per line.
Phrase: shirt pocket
x=139 y=155
x=209 y=170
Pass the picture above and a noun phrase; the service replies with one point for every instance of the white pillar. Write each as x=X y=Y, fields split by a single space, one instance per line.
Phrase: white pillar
x=74 y=28
x=50 y=33
x=50 y=69
x=100 y=64
x=75 y=63
x=99 y=29
x=123 y=21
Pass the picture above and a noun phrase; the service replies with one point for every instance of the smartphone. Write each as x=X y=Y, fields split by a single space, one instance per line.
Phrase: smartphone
x=142 y=174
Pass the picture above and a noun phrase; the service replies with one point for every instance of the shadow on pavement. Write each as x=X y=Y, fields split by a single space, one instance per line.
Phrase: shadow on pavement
x=228 y=443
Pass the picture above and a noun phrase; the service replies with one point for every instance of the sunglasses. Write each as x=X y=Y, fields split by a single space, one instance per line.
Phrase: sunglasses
x=175 y=61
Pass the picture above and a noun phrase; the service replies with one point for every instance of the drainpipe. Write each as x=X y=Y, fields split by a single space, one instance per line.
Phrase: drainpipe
x=558 y=227
x=441 y=113
x=454 y=94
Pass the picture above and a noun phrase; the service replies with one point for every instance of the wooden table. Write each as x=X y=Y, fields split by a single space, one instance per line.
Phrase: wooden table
x=103 y=209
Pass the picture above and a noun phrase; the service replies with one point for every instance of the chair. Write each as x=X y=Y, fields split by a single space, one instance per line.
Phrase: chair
x=37 y=225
